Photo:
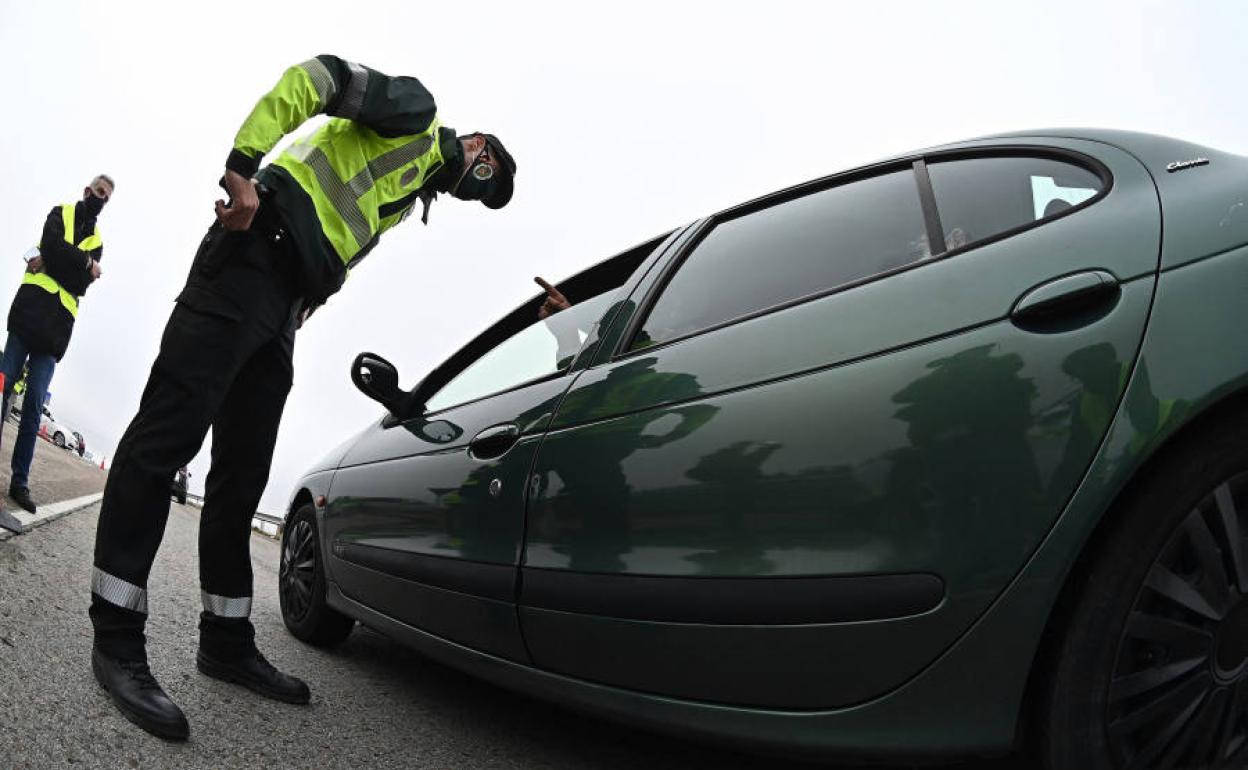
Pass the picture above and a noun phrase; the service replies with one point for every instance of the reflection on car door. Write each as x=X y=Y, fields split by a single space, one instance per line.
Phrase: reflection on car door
x=425 y=518
x=799 y=504
x=426 y=527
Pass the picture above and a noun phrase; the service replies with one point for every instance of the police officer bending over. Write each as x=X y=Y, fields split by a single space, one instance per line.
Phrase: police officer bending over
x=278 y=250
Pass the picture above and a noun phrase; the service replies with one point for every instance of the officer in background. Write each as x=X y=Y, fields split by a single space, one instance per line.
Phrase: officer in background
x=279 y=249
x=41 y=318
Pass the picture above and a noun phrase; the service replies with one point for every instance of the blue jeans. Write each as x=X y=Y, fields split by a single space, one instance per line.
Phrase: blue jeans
x=37 y=381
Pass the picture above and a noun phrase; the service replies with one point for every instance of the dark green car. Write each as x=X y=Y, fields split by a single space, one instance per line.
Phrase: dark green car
x=942 y=456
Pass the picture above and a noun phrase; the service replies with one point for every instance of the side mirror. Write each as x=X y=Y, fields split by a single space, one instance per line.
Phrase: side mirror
x=379 y=380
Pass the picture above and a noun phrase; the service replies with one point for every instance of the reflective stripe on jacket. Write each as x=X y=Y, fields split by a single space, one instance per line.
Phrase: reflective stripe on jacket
x=362 y=171
x=47 y=282
x=46 y=305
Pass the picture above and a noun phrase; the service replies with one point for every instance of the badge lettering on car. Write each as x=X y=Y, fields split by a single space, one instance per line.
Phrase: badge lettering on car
x=1179 y=165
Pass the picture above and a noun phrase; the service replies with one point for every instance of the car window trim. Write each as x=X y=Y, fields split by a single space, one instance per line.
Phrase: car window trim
x=652 y=293
x=931 y=214
x=704 y=227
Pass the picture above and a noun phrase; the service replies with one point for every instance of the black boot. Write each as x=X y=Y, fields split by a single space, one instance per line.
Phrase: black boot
x=256 y=674
x=21 y=496
x=138 y=696
x=227 y=651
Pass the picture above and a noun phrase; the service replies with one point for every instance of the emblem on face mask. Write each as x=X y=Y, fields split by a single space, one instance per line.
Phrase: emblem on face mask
x=1179 y=165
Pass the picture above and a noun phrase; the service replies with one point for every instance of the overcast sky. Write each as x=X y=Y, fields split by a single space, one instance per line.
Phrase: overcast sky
x=625 y=120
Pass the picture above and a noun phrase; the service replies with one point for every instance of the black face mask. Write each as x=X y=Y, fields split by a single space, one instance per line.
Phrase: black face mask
x=93 y=205
x=472 y=189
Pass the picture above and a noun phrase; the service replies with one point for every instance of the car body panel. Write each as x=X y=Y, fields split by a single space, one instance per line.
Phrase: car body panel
x=333 y=458
x=977 y=688
x=941 y=439
x=947 y=681
x=422 y=529
x=951 y=457
x=969 y=700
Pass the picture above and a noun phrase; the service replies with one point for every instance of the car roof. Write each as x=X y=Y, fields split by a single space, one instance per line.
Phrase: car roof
x=1189 y=234
x=1152 y=150
x=1148 y=148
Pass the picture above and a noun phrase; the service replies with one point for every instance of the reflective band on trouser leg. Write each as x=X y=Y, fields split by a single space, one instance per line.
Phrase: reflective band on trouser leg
x=116 y=591
x=227 y=606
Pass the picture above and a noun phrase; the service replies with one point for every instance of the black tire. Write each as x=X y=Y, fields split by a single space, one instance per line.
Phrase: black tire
x=59 y=439
x=181 y=499
x=1152 y=671
x=301 y=584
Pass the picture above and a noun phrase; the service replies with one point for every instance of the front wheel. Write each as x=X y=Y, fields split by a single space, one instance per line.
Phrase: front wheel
x=1153 y=669
x=301 y=585
x=59 y=440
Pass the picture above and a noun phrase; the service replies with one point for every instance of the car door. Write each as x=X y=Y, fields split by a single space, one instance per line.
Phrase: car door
x=834 y=427
x=425 y=515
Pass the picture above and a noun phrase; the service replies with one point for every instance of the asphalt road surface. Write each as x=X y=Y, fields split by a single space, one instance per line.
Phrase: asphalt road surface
x=375 y=704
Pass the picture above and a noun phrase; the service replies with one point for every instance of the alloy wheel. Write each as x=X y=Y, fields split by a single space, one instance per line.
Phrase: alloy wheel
x=1179 y=692
x=295 y=576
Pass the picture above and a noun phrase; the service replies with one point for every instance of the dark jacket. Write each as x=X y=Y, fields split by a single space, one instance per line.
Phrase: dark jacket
x=36 y=315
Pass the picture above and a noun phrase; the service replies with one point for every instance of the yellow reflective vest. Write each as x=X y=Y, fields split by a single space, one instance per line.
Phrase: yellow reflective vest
x=342 y=186
x=47 y=282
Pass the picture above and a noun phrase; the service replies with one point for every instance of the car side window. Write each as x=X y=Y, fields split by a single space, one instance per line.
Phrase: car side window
x=791 y=250
x=521 y=347
x=544 y=348
x=979 y=198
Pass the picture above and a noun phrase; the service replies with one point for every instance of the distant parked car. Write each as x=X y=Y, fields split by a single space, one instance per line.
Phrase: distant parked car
x=178 y=488
x=56 y=432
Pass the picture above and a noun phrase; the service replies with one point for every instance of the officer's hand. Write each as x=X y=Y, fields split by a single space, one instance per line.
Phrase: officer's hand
x=555 y=301
x=243 y=202
x=96 y=270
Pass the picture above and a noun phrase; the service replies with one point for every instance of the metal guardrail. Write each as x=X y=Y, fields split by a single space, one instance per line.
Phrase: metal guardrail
x=268 y=521
x=261 y=522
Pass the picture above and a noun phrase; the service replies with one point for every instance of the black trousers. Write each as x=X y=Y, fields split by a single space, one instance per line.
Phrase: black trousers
x=225 y=361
